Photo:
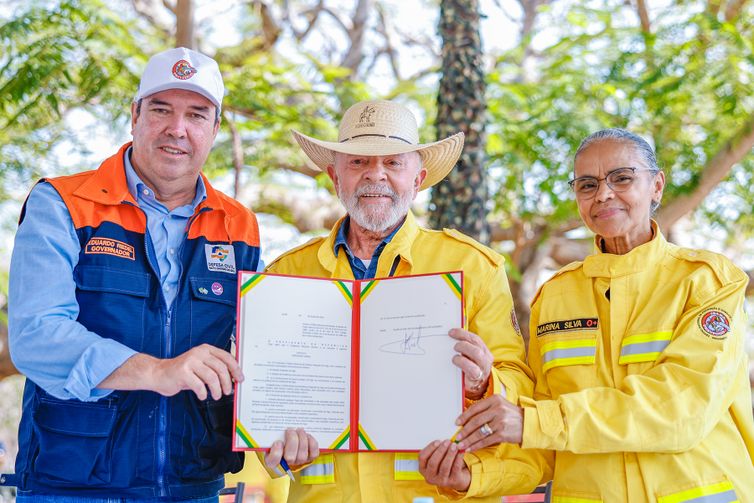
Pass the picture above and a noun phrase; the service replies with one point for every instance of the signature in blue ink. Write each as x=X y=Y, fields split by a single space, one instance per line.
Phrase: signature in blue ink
x=410 y=344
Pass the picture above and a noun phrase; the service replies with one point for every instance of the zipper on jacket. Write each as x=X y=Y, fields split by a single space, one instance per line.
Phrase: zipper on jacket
x=162 y=426
x=162 y=420
x=163 y=416
x=163 y=409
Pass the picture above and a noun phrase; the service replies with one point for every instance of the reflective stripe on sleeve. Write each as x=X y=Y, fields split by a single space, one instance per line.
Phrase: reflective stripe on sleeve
x=572 y=352
x=644 y=347
x=321 y=471
x=721 y=492
x=406 y=466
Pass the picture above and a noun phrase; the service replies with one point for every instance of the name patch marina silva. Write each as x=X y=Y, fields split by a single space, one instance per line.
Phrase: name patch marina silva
x=567 y=326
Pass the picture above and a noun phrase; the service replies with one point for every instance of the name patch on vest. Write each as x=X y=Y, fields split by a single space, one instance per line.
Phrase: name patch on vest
x=567 y=325
x=106 y=246
x=221 y=258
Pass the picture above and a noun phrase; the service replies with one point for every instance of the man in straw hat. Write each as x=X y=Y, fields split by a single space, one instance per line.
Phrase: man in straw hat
x=122 y=305
x=378 y=166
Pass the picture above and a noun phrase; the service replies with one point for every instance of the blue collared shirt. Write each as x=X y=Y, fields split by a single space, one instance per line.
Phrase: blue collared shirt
x=60 y=354
x=165 y=229
x=360 y=271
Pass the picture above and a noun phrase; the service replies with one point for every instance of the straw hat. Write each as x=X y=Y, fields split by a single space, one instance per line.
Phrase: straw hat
x=381 y=128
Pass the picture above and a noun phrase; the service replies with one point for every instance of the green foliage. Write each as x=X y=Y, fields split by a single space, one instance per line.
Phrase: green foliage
x=266 y=97
x=687 y=87
x=87 y=54
x=54 y=60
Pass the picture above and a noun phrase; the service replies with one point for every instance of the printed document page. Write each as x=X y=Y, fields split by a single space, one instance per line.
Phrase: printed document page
x=294 y=346
x=410 y=393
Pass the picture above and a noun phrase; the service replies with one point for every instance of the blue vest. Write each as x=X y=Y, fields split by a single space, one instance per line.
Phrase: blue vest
x=140 y=444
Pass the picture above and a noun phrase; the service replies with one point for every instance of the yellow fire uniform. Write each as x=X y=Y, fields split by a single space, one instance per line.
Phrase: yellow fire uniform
x=387 y=477
x=642 y=385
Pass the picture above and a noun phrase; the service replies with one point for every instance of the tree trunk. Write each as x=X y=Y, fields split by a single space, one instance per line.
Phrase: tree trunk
x=184 y=24
x=460 y=201
x=355 y=55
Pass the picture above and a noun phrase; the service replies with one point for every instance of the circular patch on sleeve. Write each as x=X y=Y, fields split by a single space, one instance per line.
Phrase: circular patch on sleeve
x=714 y=322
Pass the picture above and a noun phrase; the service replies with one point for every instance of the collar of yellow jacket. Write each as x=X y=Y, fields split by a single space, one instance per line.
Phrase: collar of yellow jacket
x=399 y=245
x=608 y=265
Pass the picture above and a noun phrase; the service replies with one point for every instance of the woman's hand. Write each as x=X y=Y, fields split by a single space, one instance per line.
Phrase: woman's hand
x=441 y=463
x=490 y=422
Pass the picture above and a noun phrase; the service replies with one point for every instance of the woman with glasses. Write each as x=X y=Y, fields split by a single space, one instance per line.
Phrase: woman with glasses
x=642 y=391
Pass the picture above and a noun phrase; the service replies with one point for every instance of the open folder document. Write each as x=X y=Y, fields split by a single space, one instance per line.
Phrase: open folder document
x=360 y=365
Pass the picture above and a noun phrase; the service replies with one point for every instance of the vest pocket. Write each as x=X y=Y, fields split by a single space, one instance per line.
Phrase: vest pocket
x=212 y=312
x=113 y=304
x=92 y=278
x=220 y=415
x=214 y=290
x=75 y=442
x=207 y=450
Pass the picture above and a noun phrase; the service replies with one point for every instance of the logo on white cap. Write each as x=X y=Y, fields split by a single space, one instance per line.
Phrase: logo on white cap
x=183 y=70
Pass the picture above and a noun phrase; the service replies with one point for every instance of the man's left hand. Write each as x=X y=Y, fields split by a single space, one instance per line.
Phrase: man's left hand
x=441 y=463
x=475 y=359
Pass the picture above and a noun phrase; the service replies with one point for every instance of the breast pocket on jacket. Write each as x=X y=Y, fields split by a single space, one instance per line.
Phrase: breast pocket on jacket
x=568 y=361
x=206 y=439
x=213 y=310
x=112 y=302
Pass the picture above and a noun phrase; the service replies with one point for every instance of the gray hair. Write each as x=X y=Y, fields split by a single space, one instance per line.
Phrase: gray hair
x=642 y=147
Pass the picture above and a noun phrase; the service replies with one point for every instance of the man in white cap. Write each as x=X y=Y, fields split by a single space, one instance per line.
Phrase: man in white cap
x=378 y=166
x=122 y=308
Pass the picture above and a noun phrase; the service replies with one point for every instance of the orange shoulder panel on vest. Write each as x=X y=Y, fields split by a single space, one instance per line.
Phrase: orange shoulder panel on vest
x=87 y=213
x=235 y=223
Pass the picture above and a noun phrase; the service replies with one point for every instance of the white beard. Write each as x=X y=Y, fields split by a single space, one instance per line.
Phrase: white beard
x=377 y=218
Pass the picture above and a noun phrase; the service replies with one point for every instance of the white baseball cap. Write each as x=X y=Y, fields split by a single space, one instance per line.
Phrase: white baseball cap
x=182 y=68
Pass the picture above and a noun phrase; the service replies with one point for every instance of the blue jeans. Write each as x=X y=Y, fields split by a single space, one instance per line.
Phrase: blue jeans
x=47 y=498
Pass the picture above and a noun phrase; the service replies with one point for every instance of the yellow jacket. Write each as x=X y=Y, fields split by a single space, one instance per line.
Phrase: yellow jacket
x=385 y=476
x=642 y=387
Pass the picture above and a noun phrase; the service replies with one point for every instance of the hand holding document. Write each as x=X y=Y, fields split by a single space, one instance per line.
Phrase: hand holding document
x=360 y=365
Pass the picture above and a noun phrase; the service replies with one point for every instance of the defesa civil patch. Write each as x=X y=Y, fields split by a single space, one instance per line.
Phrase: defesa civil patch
x=714 y=322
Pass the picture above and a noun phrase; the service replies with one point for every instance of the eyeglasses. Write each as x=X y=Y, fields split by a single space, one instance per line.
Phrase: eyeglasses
x=619 y=180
